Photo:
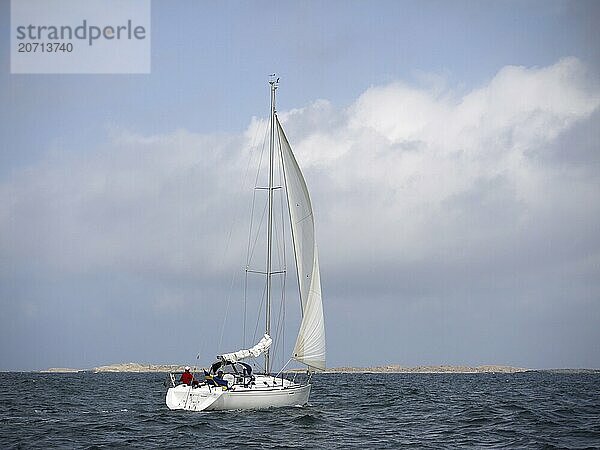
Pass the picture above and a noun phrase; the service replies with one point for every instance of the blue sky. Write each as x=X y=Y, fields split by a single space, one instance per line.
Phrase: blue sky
x=74 y=293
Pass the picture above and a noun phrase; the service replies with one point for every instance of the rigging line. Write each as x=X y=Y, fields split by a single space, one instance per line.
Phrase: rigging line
x=248 y=253
x=252 y=245
x=262 y=300
x=283 y=368
x=283 y=321
x=262 y=151
x=251 y=226
x=282 y=183
x=276 y=334
x=227 y=310
x=280 y=250
x=262 y=220
x=228 y=242
x=277 y=243
x=242 y=186
x=280 y=324
x=246 y=172
x=250 y=248
x=281 y=201
x=282 y=179
x=282 y=254
x=245 y=300
x=280 y=237
x=244 y=307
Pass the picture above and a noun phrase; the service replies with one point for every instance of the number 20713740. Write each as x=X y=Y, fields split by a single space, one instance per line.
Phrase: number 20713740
x=44 y=47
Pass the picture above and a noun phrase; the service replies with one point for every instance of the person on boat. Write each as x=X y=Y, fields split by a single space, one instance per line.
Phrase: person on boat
x=187 y=377
x=247 y=376
x=218 y=379
x=215 y=380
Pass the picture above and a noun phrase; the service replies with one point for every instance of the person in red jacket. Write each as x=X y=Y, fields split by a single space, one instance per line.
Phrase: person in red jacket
x=187 y=377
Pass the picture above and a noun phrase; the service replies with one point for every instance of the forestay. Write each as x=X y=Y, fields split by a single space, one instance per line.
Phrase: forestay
x=310 y=344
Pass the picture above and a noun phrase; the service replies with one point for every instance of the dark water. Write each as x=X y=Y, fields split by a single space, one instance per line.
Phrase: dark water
x=533 y=410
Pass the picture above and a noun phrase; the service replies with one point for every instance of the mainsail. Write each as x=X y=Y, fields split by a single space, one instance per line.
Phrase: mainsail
x=310 y=344
x=254 y=352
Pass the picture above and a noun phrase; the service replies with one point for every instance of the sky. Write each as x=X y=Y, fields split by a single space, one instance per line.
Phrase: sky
x=451 y=150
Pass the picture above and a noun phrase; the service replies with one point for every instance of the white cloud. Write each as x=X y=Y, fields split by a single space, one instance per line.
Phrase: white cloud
x=403 y=174
x=138 y=203
x=417 y=172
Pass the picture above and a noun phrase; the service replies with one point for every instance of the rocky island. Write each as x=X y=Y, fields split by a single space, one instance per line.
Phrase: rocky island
x=123 y=367
x=393 y=368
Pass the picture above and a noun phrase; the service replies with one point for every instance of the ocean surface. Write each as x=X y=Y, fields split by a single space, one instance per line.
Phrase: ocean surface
x=523 y=410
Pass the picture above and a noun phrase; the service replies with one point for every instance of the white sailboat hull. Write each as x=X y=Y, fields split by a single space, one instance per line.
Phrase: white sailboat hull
x=262 y=399
x=203 y=398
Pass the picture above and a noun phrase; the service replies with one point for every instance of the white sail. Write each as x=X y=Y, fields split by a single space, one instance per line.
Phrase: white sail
x=254 y=352
x=310 y=344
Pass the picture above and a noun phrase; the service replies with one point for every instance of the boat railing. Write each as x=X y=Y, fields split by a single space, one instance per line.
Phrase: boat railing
x=300 y=377
x=170 y=381
x=173 y=378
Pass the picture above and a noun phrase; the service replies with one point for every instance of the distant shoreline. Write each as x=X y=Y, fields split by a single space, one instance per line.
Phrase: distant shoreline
x=392 y=368
x=395 y=368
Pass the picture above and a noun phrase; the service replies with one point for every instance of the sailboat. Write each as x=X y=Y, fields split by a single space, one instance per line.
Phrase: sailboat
x=229 y=383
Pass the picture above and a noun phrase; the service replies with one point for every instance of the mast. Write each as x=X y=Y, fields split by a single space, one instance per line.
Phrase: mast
x=273 y=84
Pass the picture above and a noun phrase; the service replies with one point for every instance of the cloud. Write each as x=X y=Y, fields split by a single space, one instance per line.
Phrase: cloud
x=422 y=197
x=135 y=203
x=432 y=170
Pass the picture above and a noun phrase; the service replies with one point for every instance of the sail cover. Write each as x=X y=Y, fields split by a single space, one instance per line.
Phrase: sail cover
x=254 y=352
x=310 y=344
